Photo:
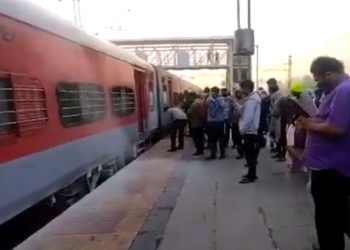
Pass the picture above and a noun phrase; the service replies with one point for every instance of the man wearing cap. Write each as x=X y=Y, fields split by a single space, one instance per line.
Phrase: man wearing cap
x=305 y=106
x=303 y=99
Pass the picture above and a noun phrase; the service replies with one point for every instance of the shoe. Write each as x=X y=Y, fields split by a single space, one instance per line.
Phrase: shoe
x=172 y=150
x=246 y=181
x=275 y=156
x=239 y=157
x=180 y=148
x=246 y=177
x=222 y=156
x=273 y=150
x=210 y=158
x=198 y=153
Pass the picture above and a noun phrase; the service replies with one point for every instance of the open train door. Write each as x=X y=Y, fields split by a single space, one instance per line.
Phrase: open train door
x=140 y=83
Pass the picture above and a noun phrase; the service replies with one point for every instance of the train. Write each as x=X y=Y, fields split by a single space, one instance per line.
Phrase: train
x=73 y=108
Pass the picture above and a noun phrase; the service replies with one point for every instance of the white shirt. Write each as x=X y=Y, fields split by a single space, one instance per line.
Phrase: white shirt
x=176 y=113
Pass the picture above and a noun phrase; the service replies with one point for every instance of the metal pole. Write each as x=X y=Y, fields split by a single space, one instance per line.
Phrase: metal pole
x=249 y=75
x=75 y=12
x=290 y=63
x=239 y=27
x=249 y=26
x=257 y=66
x=78 y=13
x=229 y=78
x=238 y=14
x=249 y=14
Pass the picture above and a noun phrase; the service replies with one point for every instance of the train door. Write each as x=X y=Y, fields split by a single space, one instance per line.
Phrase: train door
x=140 y=84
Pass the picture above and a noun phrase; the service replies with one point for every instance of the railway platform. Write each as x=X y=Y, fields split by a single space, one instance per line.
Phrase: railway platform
x=173 y=201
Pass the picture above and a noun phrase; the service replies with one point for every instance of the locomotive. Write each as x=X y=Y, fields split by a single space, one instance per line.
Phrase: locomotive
x=72 y=107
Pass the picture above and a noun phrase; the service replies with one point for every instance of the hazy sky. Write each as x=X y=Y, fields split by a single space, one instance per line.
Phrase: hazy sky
x=282 y=27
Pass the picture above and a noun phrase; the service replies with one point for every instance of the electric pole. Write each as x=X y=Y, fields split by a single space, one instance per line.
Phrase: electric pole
x=257 y=66
x=76 y=12
x=239 y=27
x=249 y=27
x=290 y=63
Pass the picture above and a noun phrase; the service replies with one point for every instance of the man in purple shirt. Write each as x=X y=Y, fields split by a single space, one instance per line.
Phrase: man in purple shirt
x=327 y=152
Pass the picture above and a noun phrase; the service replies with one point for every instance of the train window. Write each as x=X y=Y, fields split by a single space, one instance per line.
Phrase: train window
x=123 y=101
x=80 y=103
x=22 y=105
x=151 y=95
x=7 y=108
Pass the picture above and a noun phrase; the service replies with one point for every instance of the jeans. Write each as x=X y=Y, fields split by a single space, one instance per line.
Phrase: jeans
x=216 y=134
x=177 y=127
x=251 y=150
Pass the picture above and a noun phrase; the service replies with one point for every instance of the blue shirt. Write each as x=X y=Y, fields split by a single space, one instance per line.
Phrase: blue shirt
x=215 y=108
x=228 y=108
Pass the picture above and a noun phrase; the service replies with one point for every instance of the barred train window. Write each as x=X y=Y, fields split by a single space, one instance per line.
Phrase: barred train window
x=123 y=101
x=22 y=105
x=80 y=103
x=7 y=108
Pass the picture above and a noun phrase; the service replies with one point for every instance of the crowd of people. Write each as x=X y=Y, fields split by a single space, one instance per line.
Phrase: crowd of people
x=215 y=117
x=321 y=123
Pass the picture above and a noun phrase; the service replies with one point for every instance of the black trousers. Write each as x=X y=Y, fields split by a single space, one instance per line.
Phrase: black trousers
x=329 y=191
x=227 y=131
x=261 y=138
x=216 y=134
x=198 y=138
x=251 y=150
x=282 y=141
x=282 y=147
x=237 y=138
x=177 y=128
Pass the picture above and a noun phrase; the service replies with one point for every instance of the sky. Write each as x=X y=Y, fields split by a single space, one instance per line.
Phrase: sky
x=282 y=27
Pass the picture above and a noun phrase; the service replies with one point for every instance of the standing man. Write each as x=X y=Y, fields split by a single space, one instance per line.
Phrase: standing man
x=197 y=119
x=264 y=114
x=227 y=115
x=275 y=122
x=178 y=123
x=248 y=126
x=215 y=105
x=327 y=152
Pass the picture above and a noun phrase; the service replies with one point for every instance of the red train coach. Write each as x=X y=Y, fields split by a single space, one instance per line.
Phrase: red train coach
x=71 y=105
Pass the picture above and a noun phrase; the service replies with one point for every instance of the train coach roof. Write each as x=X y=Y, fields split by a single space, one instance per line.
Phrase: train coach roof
x=31 y=13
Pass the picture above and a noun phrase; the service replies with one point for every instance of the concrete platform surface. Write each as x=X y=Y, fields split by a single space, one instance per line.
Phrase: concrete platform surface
x=214 y=212
x=111 y=216
x=173 y=201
